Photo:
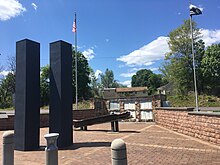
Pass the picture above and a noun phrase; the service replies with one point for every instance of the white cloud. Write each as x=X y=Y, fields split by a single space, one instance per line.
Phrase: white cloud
x=148 y=54
x=80 y=47
x=89 y=53
x=4 y=73
x=34 y=6
x=136 y=69
x=155 y=50
x=151 y=62
x=153 y=69
x=97 y=73
x=133 y=71
x=127 y=74
x=210 y=36
x=10 y=9
x=126 y=83
x=121 y=66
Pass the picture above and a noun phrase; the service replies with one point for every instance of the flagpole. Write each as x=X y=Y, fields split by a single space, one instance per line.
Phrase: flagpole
x=194 y=67
x=76 y=79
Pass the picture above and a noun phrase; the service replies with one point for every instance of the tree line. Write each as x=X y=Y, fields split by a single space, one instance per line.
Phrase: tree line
x=178 y=66
x=88 y=85
x=177 y=70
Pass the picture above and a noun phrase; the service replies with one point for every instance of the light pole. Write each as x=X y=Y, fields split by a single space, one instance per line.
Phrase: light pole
x=194 y=11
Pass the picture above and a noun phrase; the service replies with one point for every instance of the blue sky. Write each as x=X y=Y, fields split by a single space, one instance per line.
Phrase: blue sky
x=122 y=35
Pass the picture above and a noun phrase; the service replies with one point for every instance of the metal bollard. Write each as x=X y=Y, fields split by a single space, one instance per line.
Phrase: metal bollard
x=113 y=126
x=118 y=152
x=51 y=149
x=8 y=148
x=84 y=128
x=116 y=126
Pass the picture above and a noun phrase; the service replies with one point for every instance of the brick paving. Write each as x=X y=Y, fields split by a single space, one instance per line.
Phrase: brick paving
x=147 y=144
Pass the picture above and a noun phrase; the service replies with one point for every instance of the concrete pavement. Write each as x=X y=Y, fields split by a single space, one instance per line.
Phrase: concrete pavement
x=147 y=144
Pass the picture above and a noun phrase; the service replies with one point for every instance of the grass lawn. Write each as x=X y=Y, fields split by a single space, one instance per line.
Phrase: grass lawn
x=81 y=105
x=189 y=101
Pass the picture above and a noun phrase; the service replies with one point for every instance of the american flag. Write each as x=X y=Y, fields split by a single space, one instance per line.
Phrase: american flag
x=74 y=26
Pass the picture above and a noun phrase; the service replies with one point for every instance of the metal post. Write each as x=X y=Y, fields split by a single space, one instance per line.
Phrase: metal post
x=116 y=126
x=76 y=76
x=8 y=148
x=194 y=67
x=118 y=152
x=51 y=149
x=112 y=126
x=83 y=128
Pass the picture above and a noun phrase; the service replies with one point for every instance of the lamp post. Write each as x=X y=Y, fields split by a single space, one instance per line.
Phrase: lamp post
x=194 y=11
x=194 y=67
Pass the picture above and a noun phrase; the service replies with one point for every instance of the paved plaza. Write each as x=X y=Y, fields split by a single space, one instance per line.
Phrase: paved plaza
x=147 y=144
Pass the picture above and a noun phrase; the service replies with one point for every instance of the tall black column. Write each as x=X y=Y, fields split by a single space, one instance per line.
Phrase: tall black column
x=27 y=95
x=61 y=92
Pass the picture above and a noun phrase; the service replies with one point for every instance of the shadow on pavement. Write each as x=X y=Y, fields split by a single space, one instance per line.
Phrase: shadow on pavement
x=89 y=130
x=87 y=144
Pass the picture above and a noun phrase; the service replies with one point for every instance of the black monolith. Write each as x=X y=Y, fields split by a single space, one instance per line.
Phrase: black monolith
x=61 y=92
x=27 y=95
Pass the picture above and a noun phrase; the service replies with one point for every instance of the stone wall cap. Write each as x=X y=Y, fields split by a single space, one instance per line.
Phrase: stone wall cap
x=3 y=116
x=205 y=113
x=175 y=108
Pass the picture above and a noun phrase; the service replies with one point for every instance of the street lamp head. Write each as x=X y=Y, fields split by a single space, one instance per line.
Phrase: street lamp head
x=194 y=10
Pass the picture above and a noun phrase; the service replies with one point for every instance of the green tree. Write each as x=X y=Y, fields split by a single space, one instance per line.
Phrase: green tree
x=210 y=67
x=155 y=82
x=44 y=85
x=178 y=67
x=146 y=78
x=83 y=72
x=108 y=81
x=7 y=89
x=140 y=79
x=199 y=55
x=7 y=85
x=12 y=64
x=95 y=85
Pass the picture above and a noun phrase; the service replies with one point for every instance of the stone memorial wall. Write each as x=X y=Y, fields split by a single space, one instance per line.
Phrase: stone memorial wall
x=202 y=125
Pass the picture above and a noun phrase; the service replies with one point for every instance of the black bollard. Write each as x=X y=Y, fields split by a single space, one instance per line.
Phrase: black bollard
x=116 y=126
x=113 y=126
